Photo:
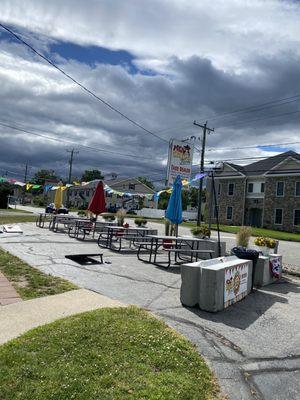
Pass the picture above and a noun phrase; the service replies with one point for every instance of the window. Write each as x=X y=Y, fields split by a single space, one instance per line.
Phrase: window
x=216 y=210
x=297 y=189
x=250 y=187
x=131 y=186
x=280 y=189
x=262 y=187
x=229 y=212
x=230 y=189
x=219 y=189
x=278 y=216
x=297 y=217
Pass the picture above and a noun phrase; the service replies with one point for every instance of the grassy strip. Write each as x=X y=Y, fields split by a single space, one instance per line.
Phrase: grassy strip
x=121 y=353
x=16 y=219
x=29 y=282
x=279 y=235
x=15 y=210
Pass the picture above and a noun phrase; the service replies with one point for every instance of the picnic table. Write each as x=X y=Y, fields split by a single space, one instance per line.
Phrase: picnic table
x=65 y=220
x=84 y=227
x=42 y=218
x=115 y=236
x=180 y=246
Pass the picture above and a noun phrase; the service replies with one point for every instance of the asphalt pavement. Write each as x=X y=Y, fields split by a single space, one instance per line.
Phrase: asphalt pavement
x=253 y=346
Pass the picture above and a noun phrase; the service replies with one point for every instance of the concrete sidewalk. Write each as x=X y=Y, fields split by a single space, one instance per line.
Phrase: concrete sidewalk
x=20 y=317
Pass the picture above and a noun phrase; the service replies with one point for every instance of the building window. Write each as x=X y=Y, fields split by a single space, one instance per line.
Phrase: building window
x=262 y=187
x=131 y=186
x=250 y=187
x=297 y=189
x=278 y=216
x=230 y=189
x=297 y=217
x=219 y=189
x=216 y=210
x=229 y=213
x=280 y=189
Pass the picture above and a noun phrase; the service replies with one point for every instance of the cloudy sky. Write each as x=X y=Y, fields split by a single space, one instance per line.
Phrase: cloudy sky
x=163 y=63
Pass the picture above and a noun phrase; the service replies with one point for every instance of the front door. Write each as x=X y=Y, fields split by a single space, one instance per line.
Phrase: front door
x=255 y=217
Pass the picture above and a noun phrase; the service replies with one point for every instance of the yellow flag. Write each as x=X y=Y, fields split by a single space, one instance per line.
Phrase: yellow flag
x=28 y=186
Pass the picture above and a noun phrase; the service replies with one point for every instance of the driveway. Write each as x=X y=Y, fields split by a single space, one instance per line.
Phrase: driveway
x=253 y=346
x=289 y=250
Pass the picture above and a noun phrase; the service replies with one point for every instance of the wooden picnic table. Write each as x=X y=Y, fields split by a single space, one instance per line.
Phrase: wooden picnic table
x=117 y=234
x=179 y=245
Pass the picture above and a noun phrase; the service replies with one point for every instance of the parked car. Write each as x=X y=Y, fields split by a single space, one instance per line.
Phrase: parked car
x=51 y=209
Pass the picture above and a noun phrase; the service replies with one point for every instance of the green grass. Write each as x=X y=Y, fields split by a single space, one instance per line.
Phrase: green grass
x=14 y=210
x=16 y=219
x=29 y=282
x=107 y=354
x=279 y=235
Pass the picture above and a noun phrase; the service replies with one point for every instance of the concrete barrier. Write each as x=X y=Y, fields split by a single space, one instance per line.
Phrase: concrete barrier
x=215 y=284
x=262 y=273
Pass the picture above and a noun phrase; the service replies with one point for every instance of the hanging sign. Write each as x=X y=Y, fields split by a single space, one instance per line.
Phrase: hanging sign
x=180 y=160
x=235 y=287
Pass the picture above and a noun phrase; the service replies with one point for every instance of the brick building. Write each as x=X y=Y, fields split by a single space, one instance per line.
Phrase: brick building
x=262 y=194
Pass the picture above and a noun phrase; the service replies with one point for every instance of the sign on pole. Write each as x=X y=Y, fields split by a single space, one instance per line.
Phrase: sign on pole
x=180 y=160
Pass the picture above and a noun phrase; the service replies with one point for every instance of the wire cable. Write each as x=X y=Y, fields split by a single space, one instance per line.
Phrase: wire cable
x=83 y=87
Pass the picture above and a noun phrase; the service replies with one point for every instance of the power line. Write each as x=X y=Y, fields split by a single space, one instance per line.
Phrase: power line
x=252 y=147
x=83 y=87
x=56 y=139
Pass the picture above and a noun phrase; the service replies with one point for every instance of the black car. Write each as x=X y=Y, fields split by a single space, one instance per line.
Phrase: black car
x=51 y=209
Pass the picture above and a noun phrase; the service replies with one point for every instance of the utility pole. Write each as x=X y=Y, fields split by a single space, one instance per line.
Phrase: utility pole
x=25 y=181
x=200 y=192
x=70 y=170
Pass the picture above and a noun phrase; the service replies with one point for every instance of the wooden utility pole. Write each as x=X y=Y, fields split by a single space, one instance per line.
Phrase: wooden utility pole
x=200 y=192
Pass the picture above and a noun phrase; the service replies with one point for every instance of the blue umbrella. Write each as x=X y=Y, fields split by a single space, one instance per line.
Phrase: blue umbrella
x=174 y=210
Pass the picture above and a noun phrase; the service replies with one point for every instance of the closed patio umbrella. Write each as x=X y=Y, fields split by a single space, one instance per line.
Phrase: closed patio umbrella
x=58 y=197
x=174 y=210
x=97 y=203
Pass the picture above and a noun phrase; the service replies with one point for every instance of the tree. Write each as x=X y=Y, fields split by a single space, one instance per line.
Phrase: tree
x=91 y=174
x=6 y=189
x=146 y=182
x=45 y=174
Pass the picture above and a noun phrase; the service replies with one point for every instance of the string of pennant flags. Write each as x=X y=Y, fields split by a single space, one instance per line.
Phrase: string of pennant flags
x=107 y=189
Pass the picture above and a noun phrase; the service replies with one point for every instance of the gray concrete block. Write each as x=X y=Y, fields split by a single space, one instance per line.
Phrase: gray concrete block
x=262 y=273
x=190 y=284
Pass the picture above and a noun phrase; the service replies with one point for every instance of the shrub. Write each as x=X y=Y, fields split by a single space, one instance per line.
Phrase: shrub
x=202 y=230
x=243 y=236
x=108 y=216
x=140 y=221
x=81 y=213
x=271 y=243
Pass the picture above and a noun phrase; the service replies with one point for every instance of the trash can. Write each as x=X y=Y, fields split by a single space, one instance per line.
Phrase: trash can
x=247 y=254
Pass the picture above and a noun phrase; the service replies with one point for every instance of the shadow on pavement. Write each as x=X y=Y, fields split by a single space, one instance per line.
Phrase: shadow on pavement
x=244 y=313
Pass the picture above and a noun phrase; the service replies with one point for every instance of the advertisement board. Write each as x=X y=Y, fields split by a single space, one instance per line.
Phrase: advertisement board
x=236 y=280
x=180 y=160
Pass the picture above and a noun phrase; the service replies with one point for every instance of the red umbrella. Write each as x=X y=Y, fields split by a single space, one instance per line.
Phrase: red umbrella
x=97 y=203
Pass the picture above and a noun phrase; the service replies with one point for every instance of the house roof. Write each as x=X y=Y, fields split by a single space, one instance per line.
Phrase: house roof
x=263 y=166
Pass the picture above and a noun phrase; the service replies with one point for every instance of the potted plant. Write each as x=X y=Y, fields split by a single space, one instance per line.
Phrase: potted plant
x=270 y=243
x=202 y=231
x=108 y=216
x=243 y=236
x=140 y=221
x=261 y=242
x=121 y=216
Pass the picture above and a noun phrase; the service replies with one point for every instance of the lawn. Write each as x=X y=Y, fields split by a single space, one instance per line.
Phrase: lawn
x=29 y=282
x=16 y=219
x=15 y=210
x=119 y=354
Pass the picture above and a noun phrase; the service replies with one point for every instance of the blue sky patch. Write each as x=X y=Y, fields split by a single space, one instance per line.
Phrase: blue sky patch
x=274 y=148
x=94 y=54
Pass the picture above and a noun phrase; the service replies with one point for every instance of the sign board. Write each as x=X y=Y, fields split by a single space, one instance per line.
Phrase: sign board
x=180 y=160
x=235 y=284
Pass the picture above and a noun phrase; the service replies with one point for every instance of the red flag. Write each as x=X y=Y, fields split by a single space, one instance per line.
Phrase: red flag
x=97 y=203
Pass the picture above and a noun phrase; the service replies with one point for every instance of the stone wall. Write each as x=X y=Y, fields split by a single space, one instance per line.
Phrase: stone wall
x=289 y=202
x=224 y=200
